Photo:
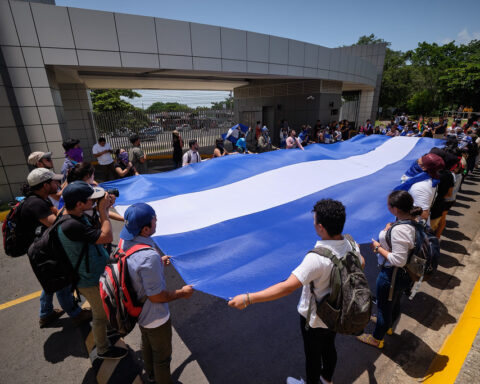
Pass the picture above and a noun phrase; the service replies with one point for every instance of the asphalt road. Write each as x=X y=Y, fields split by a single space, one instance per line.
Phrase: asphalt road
x=217 y=344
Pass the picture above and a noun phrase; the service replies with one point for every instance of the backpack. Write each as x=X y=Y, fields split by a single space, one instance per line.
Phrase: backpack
x=348 y=307
x=15 y=240
x=50 y=262
x=119 y=299
x=423 y=259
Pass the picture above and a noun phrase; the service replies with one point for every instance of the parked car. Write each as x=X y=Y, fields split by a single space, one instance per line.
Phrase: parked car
x=147 y=134
x=121 y=132
x=156 y=128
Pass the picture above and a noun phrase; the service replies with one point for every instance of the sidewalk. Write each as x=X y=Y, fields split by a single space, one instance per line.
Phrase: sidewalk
x=470 y=372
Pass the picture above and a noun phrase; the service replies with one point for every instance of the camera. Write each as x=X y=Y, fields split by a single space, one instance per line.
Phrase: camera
x=113 y=191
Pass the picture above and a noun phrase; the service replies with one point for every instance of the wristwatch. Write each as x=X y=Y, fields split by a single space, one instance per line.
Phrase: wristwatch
x=376 y=248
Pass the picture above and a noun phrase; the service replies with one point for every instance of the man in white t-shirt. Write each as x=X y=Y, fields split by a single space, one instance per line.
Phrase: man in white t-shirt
x=191 y=156
x=423 y=192
x=103 y=152
x=319 y=341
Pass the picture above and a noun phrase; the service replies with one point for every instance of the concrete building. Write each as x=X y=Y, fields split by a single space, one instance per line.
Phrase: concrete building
x=51 y=56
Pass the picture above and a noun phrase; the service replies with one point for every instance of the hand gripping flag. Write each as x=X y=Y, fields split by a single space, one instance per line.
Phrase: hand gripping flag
x=241 y=223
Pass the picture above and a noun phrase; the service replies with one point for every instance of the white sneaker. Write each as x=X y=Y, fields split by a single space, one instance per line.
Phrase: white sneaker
x=292 y=380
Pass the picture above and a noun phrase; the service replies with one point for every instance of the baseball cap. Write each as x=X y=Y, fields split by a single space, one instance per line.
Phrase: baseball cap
x=40 y=175
x=432 y=164
x=136 y=217
x=81 y=191
x=69 y=144
x=35 y=157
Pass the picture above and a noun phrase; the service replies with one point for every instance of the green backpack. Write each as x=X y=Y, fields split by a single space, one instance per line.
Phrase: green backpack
x=348 y=307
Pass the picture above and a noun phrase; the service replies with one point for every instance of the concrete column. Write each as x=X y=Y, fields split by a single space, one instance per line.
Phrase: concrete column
x=78 y=123
x=365 y=108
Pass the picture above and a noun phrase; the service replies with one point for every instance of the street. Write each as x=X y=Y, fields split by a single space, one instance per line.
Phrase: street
x=216 y=344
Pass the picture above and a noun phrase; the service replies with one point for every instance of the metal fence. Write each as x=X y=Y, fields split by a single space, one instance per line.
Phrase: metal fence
x=460 y=115
x=155 y=129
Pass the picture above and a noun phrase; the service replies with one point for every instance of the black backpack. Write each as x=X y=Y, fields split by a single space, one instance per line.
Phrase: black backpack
x=348 y=307
x=49 y=261
x=15 y=240
x=423 y=259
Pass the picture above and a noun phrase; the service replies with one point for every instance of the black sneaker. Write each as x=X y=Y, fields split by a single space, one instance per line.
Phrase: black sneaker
x=85 y=316
x=113 y=353
x=47 y=320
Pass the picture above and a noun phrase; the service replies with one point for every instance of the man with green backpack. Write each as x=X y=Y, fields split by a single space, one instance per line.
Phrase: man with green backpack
x=332 y=278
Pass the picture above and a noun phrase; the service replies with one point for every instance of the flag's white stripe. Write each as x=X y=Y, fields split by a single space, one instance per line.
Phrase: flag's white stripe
x=192 y=211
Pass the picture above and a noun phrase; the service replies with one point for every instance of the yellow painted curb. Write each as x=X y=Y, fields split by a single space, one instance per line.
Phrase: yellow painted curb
x=458 y=343
x=3 y=215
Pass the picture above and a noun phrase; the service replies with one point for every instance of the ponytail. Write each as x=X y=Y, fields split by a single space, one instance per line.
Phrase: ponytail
x=403 y=201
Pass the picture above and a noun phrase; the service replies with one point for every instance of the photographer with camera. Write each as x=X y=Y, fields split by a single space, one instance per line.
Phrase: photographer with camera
x=86 y=172
x=83 y=243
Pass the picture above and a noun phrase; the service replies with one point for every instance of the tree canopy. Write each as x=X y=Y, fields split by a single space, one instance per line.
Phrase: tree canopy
x=430 y=78
x=110 y=99
x=167 y=107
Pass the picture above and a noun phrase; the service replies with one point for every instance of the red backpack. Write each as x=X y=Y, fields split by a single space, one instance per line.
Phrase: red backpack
x=118 y=296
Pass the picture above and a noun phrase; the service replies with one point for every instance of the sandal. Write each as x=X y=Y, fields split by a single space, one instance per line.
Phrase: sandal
x=370 y=340
x=373 y=319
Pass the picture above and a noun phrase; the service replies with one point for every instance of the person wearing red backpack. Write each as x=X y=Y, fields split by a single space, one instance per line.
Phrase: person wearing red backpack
x=145 y=268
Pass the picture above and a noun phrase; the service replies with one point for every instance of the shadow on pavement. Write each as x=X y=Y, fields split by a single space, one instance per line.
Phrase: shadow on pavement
x=455 y=213
x=443 y=281
x=64 y=343
x=462 y=198
x=455 y=235
x=427 y=310
x=461 y=205
x=412 y=354
x=447 y=261
x=470 y=193
x=451 y=224
x=453 y=247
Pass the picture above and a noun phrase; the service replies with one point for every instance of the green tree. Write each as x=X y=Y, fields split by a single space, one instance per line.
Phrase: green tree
x=461 y=81
x=227 y=104
x=370 y=39
x=110 y=99
x=167 y=107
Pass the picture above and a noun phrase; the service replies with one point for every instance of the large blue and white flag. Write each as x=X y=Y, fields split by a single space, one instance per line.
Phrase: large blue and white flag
x=241 y=223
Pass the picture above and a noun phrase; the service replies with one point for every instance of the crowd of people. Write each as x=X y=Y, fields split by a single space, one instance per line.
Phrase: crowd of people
x=427 y=191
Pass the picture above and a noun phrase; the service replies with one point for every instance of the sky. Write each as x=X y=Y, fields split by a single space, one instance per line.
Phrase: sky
x=329 y=23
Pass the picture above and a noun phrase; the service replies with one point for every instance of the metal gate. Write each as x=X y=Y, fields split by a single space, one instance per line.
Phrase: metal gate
x=155 y=130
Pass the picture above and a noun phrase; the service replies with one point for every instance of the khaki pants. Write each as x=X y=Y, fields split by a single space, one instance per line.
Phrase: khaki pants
x=157 y=352
x=435 y=222
x=99 y=318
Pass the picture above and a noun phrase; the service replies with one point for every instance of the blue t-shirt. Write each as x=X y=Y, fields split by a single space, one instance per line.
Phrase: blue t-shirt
x=73 y=235
x=147 y=278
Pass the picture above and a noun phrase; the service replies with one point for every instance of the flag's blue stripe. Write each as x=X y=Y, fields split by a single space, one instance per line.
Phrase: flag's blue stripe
x=252 y=252
x=229 y=169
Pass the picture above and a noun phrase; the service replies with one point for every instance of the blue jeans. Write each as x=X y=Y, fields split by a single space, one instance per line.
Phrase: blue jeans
x=389 y=311
x=65 y=299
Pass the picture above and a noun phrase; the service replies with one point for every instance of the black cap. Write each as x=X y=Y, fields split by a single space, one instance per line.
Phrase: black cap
x=81 y=191
x=69 y=144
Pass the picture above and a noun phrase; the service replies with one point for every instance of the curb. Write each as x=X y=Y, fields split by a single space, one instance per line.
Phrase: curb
x=457 y=345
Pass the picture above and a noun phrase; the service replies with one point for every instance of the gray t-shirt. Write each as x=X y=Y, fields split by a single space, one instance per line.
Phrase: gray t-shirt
x=146 y=273
x=134 y=156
